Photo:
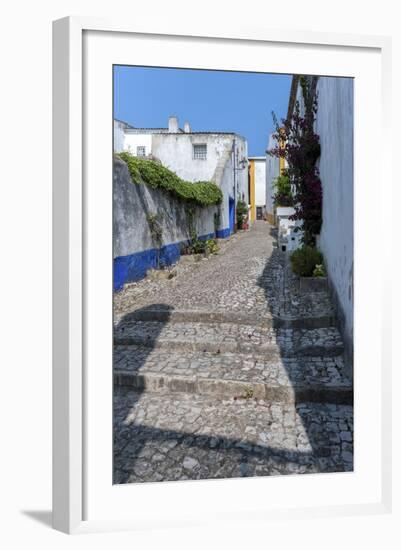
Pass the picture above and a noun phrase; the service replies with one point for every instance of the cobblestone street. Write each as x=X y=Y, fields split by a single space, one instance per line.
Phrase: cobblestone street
x=227 y=370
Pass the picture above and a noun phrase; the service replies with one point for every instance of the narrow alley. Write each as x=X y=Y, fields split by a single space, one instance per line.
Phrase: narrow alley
x=227 y=370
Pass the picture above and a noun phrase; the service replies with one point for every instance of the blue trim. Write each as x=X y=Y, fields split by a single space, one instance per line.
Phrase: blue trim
x=133 y=267
x=231 y=214
x=169 y=254
x=223 y=233
x=206 y=237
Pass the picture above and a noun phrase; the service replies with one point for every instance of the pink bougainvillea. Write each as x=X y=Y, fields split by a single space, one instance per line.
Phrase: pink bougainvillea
x=298 y=143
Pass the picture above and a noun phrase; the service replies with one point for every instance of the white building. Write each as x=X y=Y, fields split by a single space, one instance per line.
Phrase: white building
x=194 y=156
x=120 y=128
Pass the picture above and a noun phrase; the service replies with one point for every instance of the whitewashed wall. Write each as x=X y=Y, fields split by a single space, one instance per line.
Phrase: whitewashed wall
x=118 y=136
x=334 y=125
x=132 y=141
x=175 y=151
x=260 y=182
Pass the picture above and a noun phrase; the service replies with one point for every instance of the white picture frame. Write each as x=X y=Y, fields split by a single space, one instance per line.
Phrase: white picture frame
x=73 y=473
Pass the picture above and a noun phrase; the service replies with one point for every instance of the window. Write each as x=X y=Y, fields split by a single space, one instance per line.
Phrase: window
x=200 y=151
x=141 y=151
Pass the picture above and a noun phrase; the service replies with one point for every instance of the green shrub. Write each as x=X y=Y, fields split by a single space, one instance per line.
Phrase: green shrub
x=242 y=211
x=304 y=260
x=201 y=246
x=197 y=246
x=211 y=246
x=157 y=176
x=283 y=193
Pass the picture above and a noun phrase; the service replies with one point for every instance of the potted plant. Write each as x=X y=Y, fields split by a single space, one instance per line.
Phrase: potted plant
x=307 y=263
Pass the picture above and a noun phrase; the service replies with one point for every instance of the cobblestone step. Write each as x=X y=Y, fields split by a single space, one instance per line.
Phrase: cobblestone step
x=182 y=436
x=268 y=320
x=231 y=338
x=289 y=380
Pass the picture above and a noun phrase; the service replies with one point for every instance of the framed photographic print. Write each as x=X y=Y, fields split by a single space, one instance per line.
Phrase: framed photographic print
x=219 y=351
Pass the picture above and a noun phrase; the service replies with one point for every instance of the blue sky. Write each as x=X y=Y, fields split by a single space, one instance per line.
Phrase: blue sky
x=209 y=100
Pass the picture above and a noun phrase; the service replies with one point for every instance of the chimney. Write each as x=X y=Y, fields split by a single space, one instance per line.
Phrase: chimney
x=187 y=127
x=173 y=125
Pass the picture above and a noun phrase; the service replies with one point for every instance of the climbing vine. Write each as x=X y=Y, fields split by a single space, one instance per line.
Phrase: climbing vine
x=298 y=143
x=157 y=176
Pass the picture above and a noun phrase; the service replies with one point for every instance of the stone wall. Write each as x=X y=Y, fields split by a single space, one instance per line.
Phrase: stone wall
x=134 y=249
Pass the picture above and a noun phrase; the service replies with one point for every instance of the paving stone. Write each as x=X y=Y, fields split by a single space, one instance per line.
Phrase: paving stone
x=190 y=463
x=229 y=338
x=227 y=370
x=232 y=450
x=249 y=275
x=228 y=374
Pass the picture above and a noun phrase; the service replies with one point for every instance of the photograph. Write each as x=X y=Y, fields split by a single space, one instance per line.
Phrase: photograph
x=233 y=254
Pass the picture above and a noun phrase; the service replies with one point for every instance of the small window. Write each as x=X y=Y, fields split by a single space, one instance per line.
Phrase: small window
x=141 y=151
x=200 y=151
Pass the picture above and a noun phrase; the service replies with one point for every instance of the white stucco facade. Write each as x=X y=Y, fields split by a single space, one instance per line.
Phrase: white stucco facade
x=134 y=140
x=176 y=152
x=119 y=135
x=334 y=125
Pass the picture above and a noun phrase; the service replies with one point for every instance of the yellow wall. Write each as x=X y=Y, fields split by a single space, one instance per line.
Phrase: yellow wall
x=252 y=190
x=282 y=165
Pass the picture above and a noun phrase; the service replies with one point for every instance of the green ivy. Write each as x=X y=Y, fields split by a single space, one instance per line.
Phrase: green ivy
x=157 y=176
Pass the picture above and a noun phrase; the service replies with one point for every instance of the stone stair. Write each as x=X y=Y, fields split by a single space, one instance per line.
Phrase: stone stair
x=230 y=338
x=203 y=390
x=232 y=360
x=239 y=318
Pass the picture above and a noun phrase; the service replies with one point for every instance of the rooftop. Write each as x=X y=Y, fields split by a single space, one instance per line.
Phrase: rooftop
x=172 y=128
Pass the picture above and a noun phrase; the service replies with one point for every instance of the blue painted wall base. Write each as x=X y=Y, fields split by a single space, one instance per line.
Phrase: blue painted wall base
x=231 y=213
x=133 y=267
x=223 y=233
